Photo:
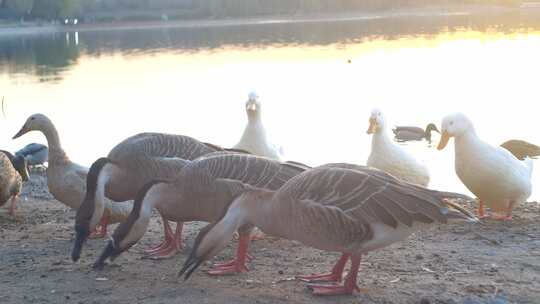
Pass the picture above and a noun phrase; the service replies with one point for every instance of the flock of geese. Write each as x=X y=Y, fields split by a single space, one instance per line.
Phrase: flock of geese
x=340 y=207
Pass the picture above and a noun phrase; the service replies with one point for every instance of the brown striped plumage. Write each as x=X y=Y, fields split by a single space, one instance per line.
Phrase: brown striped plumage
x=337 y=207
x=341 y=205
x=202 y=191
x=129 y=166
x=256 y=171
x=148 y=156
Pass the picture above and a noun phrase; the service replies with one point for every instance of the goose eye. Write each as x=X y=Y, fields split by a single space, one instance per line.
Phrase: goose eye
x=32 y=118
x=451 y=123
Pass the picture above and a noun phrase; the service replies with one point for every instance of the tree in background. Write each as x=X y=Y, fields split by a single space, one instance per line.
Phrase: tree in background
x=44 y=9
x=125 y=9
x=69 y=8
x=20 y=7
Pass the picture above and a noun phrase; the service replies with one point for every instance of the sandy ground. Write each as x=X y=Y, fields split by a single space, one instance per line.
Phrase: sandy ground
x=493 y=262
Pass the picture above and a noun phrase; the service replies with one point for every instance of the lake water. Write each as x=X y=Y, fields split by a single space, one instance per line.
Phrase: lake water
x=317 y=82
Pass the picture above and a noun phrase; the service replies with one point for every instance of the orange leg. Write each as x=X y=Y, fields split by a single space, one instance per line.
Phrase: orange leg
x=101 y=229
x=481 y=210
x=237 y=265
x=348 y=287
x=12 y=207
x=171 y=245
x=168 y=236
x=508 y=215
x=334 y=276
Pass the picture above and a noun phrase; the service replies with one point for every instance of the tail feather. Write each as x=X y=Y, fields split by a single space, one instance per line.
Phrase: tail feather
x=452 y=195
x=459 y=213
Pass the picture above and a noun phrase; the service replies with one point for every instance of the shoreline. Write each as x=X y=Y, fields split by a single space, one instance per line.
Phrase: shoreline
x=455 y=263
x=434 y=11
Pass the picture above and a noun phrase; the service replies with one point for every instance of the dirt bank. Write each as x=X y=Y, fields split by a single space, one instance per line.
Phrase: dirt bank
x=490 y=263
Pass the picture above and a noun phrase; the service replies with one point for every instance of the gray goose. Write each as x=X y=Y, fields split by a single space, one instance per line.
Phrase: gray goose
x=12 y=173
x=201 y=192
x=130 y=164
x=334 y=209
x=65 y=179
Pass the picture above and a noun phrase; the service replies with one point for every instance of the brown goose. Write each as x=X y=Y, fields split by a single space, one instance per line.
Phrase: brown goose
x=132 y=163
x=201 y=192
x=335 y=209
x=12 y=173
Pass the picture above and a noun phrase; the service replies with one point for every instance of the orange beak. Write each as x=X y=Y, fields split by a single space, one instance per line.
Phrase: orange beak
x=372 y=126
x=444 y=140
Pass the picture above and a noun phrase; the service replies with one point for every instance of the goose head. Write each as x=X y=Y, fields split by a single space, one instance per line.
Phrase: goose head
x=129 y=232
x=253 y=106
x=454 y=125
x=377 y=122
x=211 y=240
x=36 y=122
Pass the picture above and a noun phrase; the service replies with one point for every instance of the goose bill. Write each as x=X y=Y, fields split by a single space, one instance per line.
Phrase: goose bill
x=21 y=132
x=372 y=126
x=444 y=140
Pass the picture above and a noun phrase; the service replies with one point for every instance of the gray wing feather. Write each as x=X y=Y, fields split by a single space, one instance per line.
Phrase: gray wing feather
x=367 y=197
x=253 y=170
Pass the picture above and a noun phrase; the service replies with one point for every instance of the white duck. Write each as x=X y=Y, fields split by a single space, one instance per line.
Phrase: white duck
x=391 y=158
x=493 y=174
x=254 y=138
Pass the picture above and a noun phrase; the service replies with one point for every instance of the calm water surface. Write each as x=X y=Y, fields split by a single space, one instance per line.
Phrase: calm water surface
x=100 y=87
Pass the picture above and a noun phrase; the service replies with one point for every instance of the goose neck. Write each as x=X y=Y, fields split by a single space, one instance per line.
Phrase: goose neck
x=260 y=210
x=56 y=152
x=380 y=138
x=466 y=142
x=99 y=200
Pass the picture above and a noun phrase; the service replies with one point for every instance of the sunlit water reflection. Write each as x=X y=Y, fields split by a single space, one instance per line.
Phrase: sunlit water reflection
x=317 y=82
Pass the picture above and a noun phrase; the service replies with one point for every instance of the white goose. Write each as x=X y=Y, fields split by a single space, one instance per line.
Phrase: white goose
x=391 y=158
x=254 y=138
x=493 y=174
